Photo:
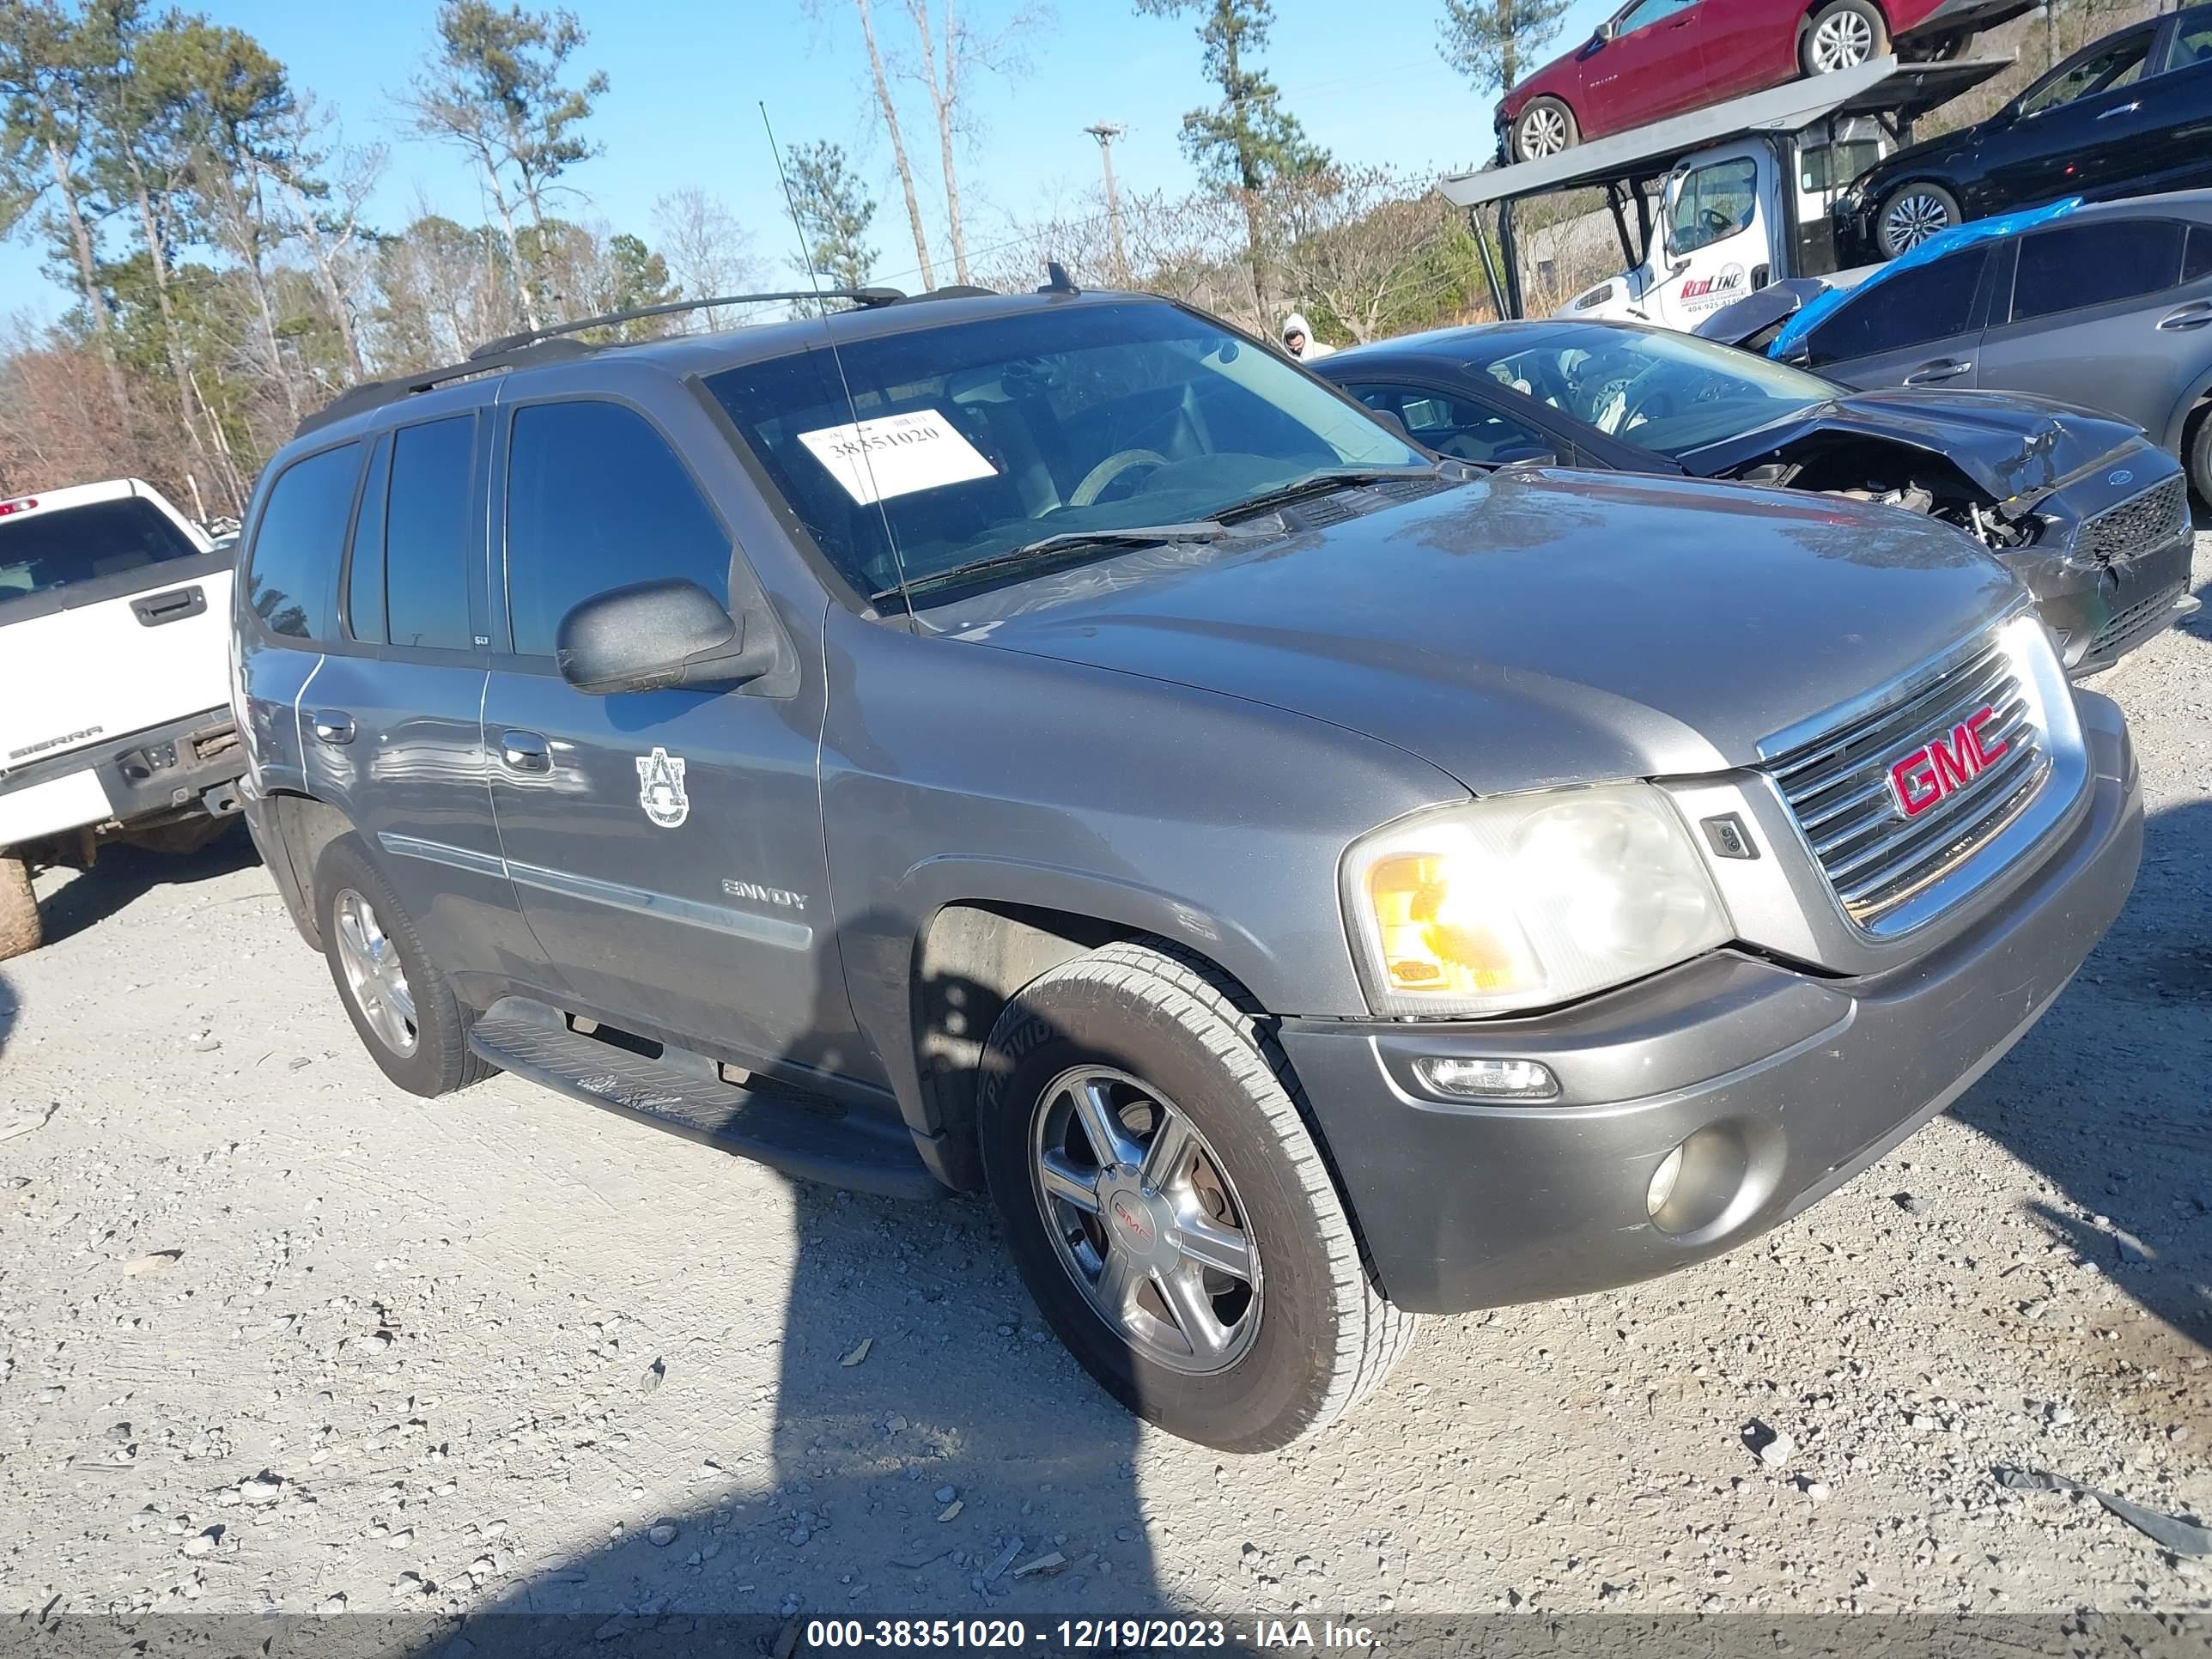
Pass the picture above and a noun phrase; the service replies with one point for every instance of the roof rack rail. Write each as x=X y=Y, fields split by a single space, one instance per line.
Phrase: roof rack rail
x=860 y=296
x=374 y=394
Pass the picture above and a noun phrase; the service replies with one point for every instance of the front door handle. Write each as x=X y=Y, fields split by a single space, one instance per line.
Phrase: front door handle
x=525 y=751
x=333 y=726
x=1943 y=369
x=2195 y=314
x=2119 y=109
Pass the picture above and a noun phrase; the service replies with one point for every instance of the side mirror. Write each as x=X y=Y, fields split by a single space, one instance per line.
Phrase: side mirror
x=1603 y=32
x=1390 y=418
x=1523 y=454
x=652 y=635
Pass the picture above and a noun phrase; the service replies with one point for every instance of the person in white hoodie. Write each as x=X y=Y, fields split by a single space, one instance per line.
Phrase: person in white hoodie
x=1298 y=339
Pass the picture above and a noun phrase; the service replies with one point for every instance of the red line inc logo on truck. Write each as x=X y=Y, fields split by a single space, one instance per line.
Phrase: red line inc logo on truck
x=1722 y=285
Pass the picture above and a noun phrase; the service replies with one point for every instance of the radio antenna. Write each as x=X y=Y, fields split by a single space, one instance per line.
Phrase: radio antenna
x=814 y=281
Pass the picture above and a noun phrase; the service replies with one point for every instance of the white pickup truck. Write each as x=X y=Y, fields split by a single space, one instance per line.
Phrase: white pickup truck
x=115 y=717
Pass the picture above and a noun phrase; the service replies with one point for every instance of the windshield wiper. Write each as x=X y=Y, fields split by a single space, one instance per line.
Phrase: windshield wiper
x=1323 y=479
x=1067 y=541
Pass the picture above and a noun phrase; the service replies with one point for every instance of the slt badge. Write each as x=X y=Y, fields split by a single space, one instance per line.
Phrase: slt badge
x=660 y=788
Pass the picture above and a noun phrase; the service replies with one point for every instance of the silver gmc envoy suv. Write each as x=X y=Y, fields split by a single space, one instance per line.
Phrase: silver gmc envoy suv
x=1050 y=746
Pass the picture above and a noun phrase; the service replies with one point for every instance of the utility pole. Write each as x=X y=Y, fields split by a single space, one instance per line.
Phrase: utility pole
x=1106 y=134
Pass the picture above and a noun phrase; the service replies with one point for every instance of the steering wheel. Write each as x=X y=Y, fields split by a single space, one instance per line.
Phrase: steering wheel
x=1095 y=481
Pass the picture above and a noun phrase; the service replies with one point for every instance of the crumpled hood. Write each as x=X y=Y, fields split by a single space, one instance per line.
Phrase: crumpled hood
x=2009 y=443
x=1532 y=628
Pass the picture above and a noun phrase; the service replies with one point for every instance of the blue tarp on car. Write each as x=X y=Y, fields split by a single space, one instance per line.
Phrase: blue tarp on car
x=1810 y=315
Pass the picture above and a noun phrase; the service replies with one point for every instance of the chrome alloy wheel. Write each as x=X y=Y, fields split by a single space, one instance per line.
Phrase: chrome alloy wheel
x=1543 y=132
x=373 y=974
x=1145 y=1221
x=1842 y=40
x=1910 y=220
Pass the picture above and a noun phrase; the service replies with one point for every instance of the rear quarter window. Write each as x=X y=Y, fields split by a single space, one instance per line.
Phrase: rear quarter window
x=2071 y=266
x=70 y=546
x=296 y=545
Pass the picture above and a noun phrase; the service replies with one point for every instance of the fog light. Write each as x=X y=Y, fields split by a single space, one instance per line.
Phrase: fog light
x=1663 y=1182
x=1495 y=1079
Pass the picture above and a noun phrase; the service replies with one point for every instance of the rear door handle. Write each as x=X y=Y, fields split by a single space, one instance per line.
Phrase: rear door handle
x=2119 y=109
x=174 y=605
x=1943 y=369
x=2195 y=314
x=525 y=751
x=333 y=726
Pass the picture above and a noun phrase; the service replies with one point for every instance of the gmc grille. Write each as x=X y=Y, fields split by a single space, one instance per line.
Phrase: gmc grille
x=1837 y=783
x=2142 y=522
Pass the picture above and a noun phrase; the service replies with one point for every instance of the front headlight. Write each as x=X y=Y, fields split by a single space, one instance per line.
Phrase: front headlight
x=1525 y=901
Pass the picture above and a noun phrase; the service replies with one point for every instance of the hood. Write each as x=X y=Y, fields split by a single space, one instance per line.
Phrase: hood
x=1741 y=321
x=1532 y=628
x=2012 y=445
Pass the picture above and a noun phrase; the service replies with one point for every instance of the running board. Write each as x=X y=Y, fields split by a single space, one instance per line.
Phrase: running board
x=683 y=1094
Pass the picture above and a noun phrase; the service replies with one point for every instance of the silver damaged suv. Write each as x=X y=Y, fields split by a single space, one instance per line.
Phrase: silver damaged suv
x=1049 y=746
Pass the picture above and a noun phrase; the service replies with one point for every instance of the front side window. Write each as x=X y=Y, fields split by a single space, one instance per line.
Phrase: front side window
x=298 y=542
x=1666 y=391
x=1927 y=302
x=1453 y=426
x=1714 y=204
x=427 y=537
x=2071 y=266
x=68 y=546
x=596 y=499
x=972 y=441
x=2111 y=66
x=1647 y=12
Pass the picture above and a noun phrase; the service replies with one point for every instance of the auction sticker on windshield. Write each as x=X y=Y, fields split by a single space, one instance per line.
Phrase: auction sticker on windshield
x=897 y=455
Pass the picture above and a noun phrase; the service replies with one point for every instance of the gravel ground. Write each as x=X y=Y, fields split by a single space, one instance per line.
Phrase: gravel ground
x=277 y=1336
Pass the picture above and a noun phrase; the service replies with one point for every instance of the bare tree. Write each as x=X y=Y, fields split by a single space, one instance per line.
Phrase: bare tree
x=1351 y=242
x=325 y=215
x=883 y=102
x=950 y=49
x=707 y=250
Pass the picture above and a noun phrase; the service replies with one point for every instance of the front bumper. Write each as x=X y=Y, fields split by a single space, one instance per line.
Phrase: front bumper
x=1783 y=1084
x=178 y=770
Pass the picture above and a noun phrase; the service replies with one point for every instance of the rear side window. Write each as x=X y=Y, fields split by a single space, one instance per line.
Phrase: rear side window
x=297 y=545
x=1926 y=303
x=73 y=545
x=596 y=499
x=2092 y=265
x=2196 y=259
x=2192 y=42
x=426 y=537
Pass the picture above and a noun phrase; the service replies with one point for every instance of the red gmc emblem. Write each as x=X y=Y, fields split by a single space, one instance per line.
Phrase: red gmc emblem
x=1945 y=764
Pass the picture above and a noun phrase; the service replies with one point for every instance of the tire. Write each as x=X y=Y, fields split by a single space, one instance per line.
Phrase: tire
x=1545 y=128
x=20 y=931
x=1319 y=1339
x=1842 y=34
x=1935 y=48
x=1912 y=213
x=415 y=1029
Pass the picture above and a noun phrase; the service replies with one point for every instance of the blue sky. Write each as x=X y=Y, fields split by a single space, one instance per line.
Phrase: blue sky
x=688 y=75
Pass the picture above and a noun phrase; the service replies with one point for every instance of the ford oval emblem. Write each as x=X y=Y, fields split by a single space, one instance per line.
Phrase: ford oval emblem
x=2120 y=477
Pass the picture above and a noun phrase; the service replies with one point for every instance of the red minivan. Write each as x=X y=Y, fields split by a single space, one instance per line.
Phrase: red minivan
x=1654 y=59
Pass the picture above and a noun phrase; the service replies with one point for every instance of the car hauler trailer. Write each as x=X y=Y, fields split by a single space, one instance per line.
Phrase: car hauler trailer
x=1744 y=189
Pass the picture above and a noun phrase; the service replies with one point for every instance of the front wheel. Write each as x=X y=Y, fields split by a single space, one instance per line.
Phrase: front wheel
x=2196 y=455
x=1167 y=1207
x=1843 y=34
x=1912 y=215
x=19 y=931
x=1545 y=128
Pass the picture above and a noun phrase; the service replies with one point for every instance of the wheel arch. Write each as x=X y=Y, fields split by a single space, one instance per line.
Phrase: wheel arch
x=2192 y=406
x=290 y=828
x=994 y=930
x=1813 y=7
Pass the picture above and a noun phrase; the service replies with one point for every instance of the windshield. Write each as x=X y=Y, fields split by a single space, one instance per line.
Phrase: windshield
x=967 y=441
x=1667 y=391
x=73 y=544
